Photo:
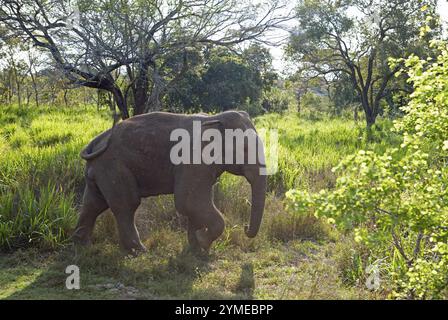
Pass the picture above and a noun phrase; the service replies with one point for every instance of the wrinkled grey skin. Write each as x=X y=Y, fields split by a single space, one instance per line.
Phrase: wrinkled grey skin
x=132 y=161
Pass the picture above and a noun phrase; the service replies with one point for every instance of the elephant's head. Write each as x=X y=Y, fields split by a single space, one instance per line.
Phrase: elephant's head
x=253 y=170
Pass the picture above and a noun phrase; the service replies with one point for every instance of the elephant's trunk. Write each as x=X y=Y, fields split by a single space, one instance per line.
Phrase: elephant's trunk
x=258 y=185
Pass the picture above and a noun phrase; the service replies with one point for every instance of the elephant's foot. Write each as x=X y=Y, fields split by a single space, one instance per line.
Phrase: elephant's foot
x=134 y=247
x=84 y=242
x=203 y=239
x=194 y=246
x=80 y=238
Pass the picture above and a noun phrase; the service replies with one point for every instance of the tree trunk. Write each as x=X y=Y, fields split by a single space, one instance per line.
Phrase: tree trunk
x=18 y=87
x=369 y=110
x=16 y=76
x=31 y=62
x=140 y=89
x=154 y=102
x=98 y=100
x=121 y=102
x=10 y=87
x=36 y=93
x=65 y=98
x=110 y=102
x=27 y=96
x=370 y=119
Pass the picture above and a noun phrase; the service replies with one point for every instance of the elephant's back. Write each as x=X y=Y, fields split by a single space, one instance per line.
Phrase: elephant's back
x=146 y=134
x=142 y=144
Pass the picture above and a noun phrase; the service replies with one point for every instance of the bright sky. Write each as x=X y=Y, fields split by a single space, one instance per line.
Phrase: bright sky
x=277 y=52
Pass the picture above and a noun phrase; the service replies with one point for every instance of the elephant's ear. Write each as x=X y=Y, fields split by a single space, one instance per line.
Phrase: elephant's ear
x=211 y=123
x=244 y=114
x=215 y=124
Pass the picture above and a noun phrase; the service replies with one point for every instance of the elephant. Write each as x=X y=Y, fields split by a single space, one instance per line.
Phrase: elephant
x=132 y=160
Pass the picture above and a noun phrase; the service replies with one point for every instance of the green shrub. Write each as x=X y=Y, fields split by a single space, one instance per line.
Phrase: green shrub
x=352 y=259
x=277 y=100
x=396 y=201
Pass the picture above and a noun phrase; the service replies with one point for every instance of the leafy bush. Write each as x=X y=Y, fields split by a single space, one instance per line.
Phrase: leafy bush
x=277 y=100
x=399 y=196
x=253 y=108
x=316 y=105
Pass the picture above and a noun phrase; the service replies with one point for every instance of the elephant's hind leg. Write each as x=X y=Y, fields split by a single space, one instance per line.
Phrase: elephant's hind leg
x=93 y=205
x=129 y=236
x=123 y=198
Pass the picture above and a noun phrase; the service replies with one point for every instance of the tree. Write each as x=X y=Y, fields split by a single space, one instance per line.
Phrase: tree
x=228 y=82
x=15 y=67
x=356 y=37
x=344 y=95
x=221 y=79
x=185 y=95
x=259 y=58
x=99 y=42
x=33 y=64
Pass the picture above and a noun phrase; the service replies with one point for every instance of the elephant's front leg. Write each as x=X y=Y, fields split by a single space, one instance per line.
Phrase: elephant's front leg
x=213 y=227
x=205 y=222
x=191 y=232
x=193 y=196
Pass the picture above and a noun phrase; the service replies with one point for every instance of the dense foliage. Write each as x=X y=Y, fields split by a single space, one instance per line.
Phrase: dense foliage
x=222 y=80
x=396 y=201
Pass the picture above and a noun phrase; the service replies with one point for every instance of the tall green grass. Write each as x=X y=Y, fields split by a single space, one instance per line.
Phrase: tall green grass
x=41 y=173
x=309 y=149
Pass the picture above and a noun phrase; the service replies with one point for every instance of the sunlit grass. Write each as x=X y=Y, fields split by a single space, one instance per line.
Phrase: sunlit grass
x=309 y=149
x=40 y=172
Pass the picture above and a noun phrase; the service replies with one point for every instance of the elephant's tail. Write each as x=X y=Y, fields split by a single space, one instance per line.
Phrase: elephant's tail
x=100 y=143
x=97 y=146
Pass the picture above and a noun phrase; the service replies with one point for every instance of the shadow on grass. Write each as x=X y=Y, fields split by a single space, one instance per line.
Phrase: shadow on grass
x=105 y=273
x=246 y=283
